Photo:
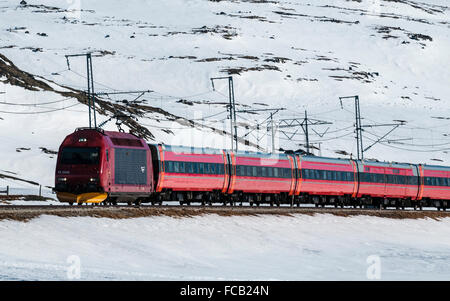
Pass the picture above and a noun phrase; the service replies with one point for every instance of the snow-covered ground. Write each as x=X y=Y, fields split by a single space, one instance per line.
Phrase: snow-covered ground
x=321 y=247
x=293 y=54
x=298 y=55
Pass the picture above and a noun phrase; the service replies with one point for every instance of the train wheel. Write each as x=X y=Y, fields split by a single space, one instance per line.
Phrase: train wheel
x=71 y=203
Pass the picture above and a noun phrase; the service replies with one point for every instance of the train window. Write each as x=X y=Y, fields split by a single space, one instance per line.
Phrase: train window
x=210 y=168
x=248 y=171
x=181 y=167
x=264 y=171
x=201 y=168
x=80 y=155
x=275 y=172
x=217 y=169
x=270 y=172
x=240 y=170
x=333 y=175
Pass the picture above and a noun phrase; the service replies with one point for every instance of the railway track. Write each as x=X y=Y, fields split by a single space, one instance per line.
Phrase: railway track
x=27 y=212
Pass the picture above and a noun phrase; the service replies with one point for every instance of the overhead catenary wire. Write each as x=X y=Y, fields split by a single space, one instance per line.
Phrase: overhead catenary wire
x=34 y=104
x=40 y=112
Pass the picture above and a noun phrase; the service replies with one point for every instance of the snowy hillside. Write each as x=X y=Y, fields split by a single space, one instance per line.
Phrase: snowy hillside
x=297 y=54
x=301 y=247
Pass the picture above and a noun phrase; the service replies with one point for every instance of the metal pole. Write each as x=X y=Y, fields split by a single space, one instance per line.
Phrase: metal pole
x=231 y=113
x=7 y=190
x=89 y=88
x=273 y=133
x=306 y=133
x=231 y=87
x=92 y=89
x=359 y=130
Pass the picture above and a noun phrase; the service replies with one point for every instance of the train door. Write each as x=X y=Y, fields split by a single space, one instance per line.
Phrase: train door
x=293 y=161
x=108 y=168
x=231 y=172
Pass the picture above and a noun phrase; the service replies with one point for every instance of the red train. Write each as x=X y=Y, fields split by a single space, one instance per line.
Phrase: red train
x=96 y=166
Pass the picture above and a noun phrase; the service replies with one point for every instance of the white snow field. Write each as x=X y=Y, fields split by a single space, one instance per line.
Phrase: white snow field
x=297 y=54
x=320 y=247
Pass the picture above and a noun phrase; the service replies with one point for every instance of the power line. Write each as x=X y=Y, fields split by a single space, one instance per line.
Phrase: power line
x=40 y=112
x=35 y=104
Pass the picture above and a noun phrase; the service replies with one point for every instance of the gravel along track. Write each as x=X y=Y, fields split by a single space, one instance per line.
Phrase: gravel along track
x=27 y=212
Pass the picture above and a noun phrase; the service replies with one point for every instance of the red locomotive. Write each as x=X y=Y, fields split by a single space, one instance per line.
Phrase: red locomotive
x=96 y=166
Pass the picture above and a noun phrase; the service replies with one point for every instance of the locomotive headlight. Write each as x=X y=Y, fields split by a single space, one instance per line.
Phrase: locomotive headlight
x=93 y=180
x=62 y=179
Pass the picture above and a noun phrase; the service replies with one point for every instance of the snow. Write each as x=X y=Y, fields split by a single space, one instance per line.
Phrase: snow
x=411 y=85
x=320 y=247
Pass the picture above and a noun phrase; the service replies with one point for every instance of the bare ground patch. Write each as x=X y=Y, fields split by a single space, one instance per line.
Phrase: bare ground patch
x=26 y=213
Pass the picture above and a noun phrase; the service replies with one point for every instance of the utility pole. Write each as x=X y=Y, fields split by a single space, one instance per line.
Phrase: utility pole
x=270 y=121
x=90 y=85
x=359 y=128
x=304 y=124
x=232 y=106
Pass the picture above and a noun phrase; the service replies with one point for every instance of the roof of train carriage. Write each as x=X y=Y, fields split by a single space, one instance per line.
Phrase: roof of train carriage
x=112 y=134
x=189 y=149
x=436 y=167
x=324 y=159
x=386 y=164
x=208 y=150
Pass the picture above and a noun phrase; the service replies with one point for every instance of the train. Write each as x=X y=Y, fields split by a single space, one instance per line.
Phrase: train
x=106 y=167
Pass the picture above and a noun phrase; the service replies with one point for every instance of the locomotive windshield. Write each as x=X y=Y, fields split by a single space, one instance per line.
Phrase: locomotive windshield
x=80 y=155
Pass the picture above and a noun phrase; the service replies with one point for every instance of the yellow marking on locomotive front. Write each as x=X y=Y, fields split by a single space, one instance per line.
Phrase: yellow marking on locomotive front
x=90 y=197
x=66 y=197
